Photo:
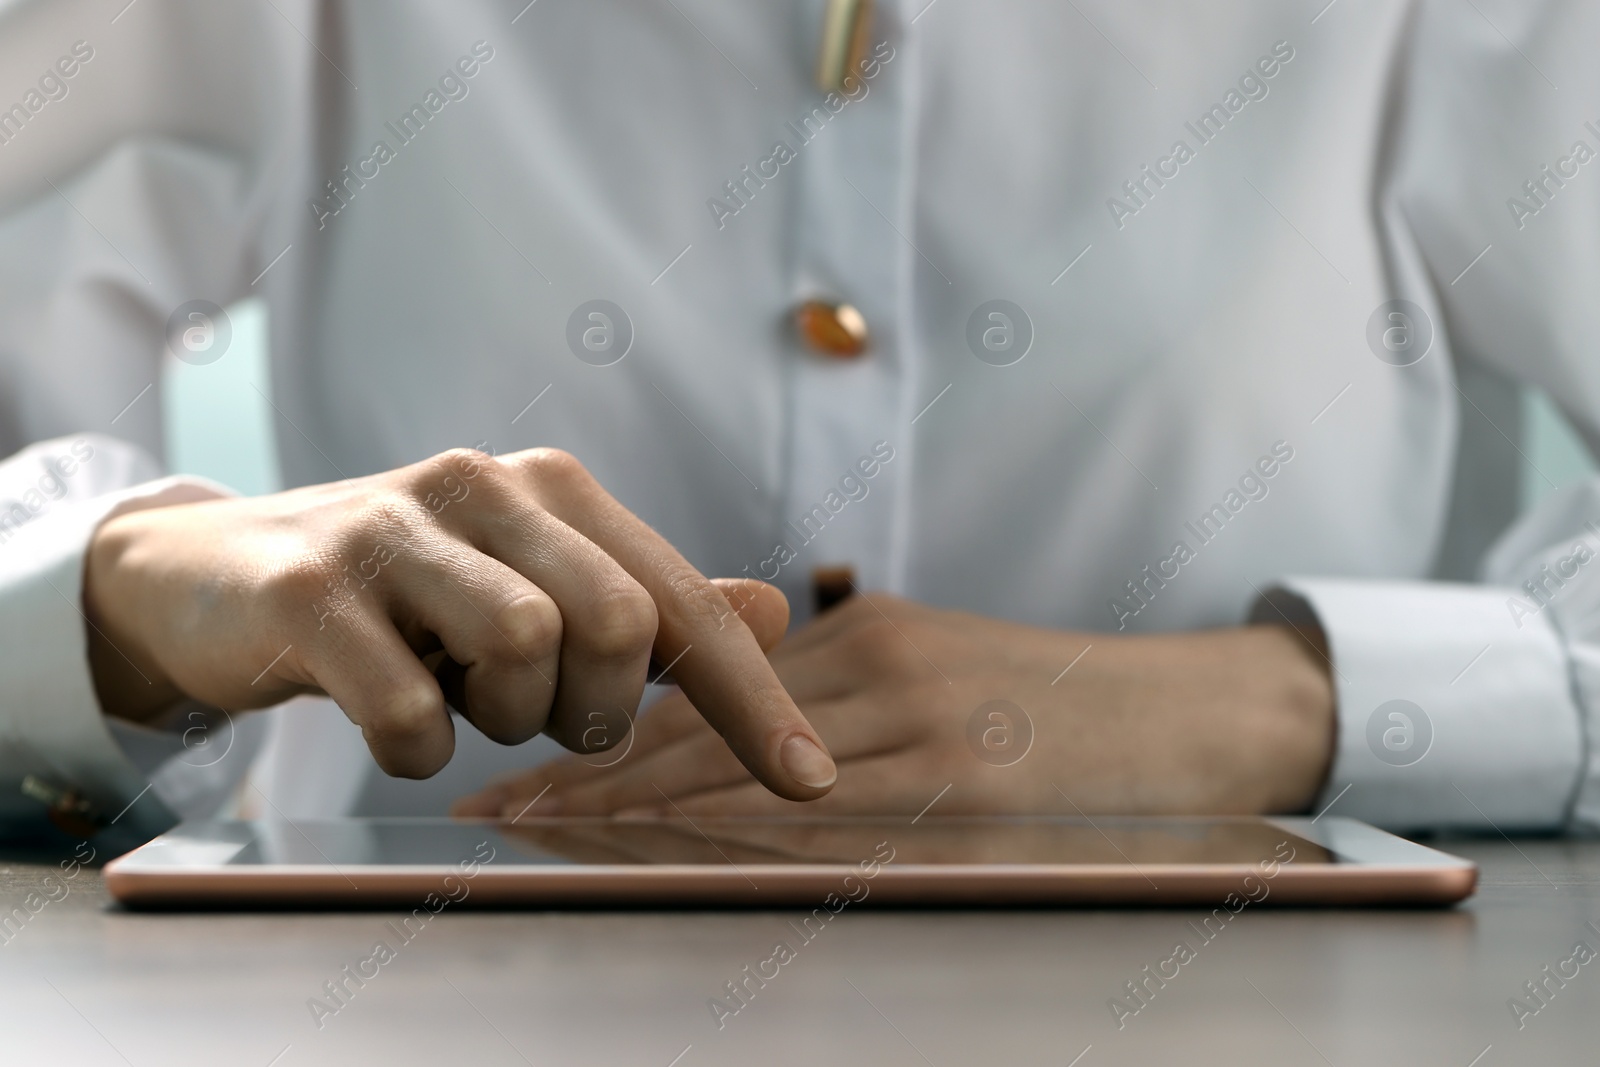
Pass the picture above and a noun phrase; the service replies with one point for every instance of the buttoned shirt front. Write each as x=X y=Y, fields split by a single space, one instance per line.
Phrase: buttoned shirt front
x=1167 y=308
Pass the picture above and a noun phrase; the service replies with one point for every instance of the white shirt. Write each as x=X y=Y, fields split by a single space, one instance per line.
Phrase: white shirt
x=1198 y=315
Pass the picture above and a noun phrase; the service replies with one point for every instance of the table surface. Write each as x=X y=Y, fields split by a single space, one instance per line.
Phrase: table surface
x=84 y=982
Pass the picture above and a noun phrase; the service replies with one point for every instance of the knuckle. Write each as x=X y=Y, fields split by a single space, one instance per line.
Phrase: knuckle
x=384 y=513
x=406 y=715
x=698 y=602
x=450 y=477
x=857 y=611
x=874 y=607
x=622 y=623
x=529 y=630
x=511 y=731
x=879 y=646
x=466 y=461
x=554 y=466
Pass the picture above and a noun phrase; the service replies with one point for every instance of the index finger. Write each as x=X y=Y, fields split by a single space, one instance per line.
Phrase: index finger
x=700 y=637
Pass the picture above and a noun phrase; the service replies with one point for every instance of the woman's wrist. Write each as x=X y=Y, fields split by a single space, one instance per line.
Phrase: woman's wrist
x=1295 y=669
x=128 y=682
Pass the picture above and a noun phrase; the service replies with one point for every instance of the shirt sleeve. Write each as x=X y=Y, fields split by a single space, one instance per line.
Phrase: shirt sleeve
x=1476 y=705
x=136 y=186
x=1456 y=708
x=53 y=496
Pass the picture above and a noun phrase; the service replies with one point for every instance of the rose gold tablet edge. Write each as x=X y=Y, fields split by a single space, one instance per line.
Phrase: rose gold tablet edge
x=787 y=886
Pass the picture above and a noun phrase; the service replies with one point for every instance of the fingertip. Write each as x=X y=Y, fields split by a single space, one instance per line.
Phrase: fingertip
x=807 y=763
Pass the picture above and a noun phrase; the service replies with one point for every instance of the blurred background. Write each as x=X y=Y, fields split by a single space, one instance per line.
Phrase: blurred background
x=219 y=425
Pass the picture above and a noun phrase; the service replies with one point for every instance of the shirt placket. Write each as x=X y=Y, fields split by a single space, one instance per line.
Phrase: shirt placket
x=848 y=248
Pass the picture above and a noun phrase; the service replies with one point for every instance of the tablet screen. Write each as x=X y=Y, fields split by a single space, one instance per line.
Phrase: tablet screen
x=739 y=842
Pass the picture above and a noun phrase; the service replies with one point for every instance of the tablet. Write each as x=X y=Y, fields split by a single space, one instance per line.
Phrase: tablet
x=822 y=862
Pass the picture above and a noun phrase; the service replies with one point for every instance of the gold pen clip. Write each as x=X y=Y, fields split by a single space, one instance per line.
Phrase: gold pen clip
x=67 y=809
x=844 y=43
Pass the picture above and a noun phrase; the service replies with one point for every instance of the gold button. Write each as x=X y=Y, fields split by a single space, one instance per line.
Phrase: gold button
x=66 y=808
x=835 y=330
x=831 y=584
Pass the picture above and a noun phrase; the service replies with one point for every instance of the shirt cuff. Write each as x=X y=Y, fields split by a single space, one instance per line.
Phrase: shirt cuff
x=1452 y=711
x=52 y=722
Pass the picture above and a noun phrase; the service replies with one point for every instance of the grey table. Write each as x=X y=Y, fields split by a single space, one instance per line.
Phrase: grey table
x=83 y=982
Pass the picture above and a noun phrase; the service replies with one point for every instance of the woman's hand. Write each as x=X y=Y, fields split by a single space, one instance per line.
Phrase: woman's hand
x=535 y=596
x=911 y=700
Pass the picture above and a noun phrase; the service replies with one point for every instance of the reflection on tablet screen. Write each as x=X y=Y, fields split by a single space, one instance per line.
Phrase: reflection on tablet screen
x=933 y=840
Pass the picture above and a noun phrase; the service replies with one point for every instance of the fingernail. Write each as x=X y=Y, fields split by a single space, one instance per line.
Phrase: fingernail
x=806 y=763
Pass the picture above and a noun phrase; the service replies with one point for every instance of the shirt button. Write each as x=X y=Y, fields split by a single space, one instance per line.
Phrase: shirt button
x=66 y=808
x=830 y=585
x=834 y=330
